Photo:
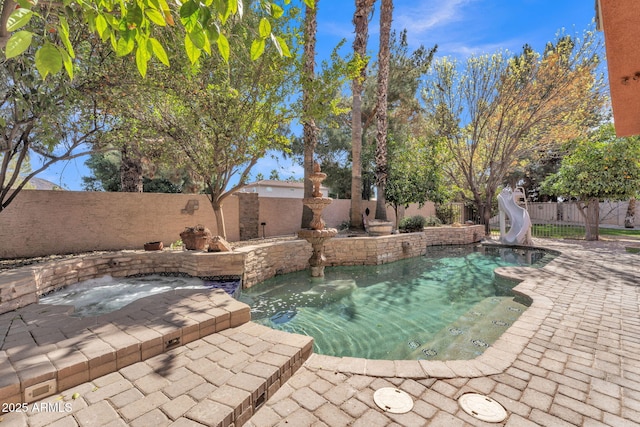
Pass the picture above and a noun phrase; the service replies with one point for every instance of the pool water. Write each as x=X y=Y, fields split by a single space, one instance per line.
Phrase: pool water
x=106 y=294
x=443 y=306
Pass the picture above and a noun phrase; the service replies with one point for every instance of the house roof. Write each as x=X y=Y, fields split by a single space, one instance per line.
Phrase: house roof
x=273 y=183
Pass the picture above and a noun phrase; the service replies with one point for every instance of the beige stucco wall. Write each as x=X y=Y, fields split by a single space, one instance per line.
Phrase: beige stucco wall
x=42 y=222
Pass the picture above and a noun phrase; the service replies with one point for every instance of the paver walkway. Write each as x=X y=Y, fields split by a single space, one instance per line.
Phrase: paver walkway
x=580 y=365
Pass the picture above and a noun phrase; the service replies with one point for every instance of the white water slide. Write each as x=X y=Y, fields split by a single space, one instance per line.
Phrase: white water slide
x=519 y=232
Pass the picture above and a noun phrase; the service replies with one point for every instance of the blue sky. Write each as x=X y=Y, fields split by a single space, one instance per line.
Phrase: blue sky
x=459 y=27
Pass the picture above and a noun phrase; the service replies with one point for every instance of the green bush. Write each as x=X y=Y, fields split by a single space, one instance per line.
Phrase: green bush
x=446 y=213
x=432 y=221
x=412 y=224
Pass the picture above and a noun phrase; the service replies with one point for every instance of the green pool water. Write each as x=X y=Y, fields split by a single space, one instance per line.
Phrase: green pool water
x=442 y=306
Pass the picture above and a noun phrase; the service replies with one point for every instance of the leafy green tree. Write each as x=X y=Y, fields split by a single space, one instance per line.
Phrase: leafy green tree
x=53 y=119
x=106 y=169
x=415 y=173
x=598 y=167
x=106 y=172
x=220 y=121
x=131 y=28
x=499 y=109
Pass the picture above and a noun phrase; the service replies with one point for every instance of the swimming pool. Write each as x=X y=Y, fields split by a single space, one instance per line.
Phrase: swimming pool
x=442 y=306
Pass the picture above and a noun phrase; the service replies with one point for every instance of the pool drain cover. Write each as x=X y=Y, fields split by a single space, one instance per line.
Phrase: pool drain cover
x=392 y=400
x=482 y=407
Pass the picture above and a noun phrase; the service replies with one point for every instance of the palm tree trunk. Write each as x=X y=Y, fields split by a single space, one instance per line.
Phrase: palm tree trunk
x=309 y=128
x=130 y=169
x=386 y=16
x=361 y=23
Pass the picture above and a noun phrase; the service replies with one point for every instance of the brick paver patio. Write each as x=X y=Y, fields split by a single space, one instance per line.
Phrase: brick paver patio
x=574 y=359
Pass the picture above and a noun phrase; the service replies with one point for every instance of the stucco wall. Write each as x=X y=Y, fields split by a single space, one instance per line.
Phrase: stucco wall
x=42 y=222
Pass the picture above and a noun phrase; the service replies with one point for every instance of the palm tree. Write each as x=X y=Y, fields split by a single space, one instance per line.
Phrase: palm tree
x=309 y=128
x=386 y=15
x=361 y=22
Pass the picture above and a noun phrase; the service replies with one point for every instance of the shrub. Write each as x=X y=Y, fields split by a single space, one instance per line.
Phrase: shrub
x=432 y=221
x=412 y=224
x=446 y=213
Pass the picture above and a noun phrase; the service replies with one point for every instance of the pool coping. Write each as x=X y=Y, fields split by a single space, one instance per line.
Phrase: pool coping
x=496 y=359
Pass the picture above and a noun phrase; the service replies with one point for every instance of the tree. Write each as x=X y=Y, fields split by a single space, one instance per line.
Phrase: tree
x=274 y=175
x=333 y=151
x=309 y=128
x=53 y=119
x=629 y=217
x=415 y=175
x=219 y=121
x=361 y=23
x=386 y=16
x=500 y=109
x=598 y=167
x=106 y=169
x=131 y=29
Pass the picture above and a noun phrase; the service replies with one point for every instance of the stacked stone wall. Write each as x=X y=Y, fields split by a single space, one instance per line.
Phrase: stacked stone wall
x=22 y=286
x=265 y=261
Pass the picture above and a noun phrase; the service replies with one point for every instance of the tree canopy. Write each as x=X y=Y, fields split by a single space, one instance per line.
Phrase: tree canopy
x=597 y=168
x=134 y=27
x=219 y=121
x=53 y=119
x=500 y=108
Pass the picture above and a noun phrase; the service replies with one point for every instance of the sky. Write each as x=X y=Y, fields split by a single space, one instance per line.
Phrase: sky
x=460 y=28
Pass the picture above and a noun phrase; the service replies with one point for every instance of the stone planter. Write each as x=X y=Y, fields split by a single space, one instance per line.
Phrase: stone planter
x=195 y=238
x=153 y=246
x=379 y=228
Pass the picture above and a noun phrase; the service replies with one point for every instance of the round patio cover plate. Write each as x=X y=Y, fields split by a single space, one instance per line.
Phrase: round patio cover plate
x=392 y=400
x=482 y=407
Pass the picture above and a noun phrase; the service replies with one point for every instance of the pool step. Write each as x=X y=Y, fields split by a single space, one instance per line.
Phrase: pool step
x=469 y=335
x=45 y=350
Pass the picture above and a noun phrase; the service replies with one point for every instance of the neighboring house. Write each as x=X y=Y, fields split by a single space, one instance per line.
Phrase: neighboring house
x=620 y=21
x=284 y=189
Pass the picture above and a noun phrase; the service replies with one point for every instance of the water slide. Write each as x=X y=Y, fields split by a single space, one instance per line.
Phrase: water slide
x=518 y=233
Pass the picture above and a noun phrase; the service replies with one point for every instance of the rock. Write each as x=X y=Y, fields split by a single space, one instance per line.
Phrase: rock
x=218 y=244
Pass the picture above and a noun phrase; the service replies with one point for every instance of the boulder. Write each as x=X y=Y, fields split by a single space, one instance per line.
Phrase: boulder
x=218 y=244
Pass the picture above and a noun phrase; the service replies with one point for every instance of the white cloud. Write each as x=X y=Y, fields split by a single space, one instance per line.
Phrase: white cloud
x=430 y=14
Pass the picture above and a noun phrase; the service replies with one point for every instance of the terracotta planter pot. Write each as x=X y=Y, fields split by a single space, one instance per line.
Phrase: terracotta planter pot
x=153 y=246
x=195 y=238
